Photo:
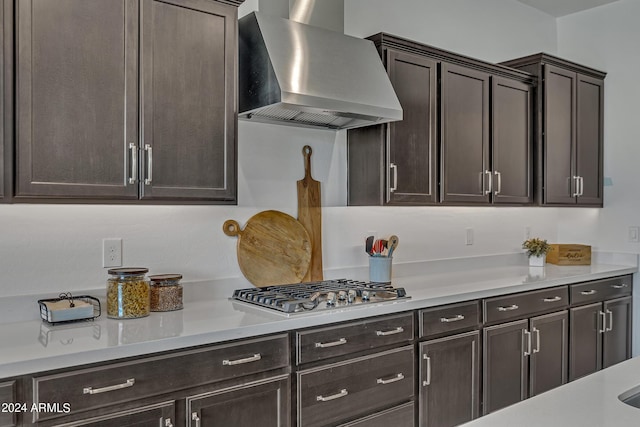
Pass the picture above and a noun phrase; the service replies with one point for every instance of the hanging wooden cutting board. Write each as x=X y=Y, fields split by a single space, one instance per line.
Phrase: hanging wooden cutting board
x=273 y=248
x=309 y=215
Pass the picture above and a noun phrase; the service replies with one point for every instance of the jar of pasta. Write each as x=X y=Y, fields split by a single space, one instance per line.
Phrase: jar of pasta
x=128 y=293
x=166 y=292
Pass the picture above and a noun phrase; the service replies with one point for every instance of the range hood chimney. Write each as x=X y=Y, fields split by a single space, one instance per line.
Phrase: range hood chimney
x=298 y=74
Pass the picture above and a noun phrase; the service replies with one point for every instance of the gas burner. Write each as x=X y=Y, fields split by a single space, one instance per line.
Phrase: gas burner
x=327 y=294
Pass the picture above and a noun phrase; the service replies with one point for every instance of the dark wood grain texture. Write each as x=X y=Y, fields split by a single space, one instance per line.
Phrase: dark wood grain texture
x=511 y=141
x=188 y=52
x=616 y=344
x=549 y=359
x=449 y=380
x=525 y=304
x=465 y=169
x=151 y=415
x=585 y=350
x=505 y=366
x=76 y=98
x=402 y=415
x=8 y=394
x=449 y=319
x=589 y=138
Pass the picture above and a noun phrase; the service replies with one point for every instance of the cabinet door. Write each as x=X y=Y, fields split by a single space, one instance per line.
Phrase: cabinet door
x=585 y=347
x=465 y=175
x=8 y=395
x=511 y=141
x=505 y=363
x=162 y=414
x=188 y=74
x=76 y=98
x=559 y=136
x=6 y=96
x=450 y=380
x=412 y=141
x=264 y=403
x=589 y=122
x=548 y=364
x=617 y=336
x=403 y=415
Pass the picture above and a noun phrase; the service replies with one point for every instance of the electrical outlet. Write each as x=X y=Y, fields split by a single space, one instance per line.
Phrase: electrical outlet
x=634 y=234
x=527 y=232
x=112 y=252
x=469 y=236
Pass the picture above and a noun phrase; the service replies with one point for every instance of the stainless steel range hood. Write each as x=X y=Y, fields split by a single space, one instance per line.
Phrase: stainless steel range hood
x=297 y=74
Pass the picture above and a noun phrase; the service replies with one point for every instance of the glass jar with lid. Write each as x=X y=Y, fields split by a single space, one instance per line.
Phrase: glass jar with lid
x=166 y=292
x=128 y=293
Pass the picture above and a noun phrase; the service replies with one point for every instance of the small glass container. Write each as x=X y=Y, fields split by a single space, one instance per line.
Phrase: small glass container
x=128 y=293
x=166 y=292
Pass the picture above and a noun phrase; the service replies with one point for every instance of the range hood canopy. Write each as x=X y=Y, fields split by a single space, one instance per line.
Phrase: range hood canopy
x=297 y=74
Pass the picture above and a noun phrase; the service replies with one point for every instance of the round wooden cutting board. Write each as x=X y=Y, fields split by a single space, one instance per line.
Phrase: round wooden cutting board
x=273 y=248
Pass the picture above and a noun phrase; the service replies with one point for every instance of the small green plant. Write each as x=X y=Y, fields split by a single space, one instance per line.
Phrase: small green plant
x=536 y=247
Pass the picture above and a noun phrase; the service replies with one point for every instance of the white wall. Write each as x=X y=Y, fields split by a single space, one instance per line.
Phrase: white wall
x=607 y=38
x=50 y=248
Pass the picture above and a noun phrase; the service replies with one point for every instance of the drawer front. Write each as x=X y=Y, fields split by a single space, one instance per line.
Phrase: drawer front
x=402 y=415
x=600 y=290
x=360 y=386
x=8 y=417
x=519 y=306
x=110 y=384
x=449 y=319
x=319 y=344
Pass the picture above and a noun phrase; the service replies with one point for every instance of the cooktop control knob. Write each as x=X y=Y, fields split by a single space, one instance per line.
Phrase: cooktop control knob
x=331 y=298
x=352 y=296
x=365 y=295
x=342 y=295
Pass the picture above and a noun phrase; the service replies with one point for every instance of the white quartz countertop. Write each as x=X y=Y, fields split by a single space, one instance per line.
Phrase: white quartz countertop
x=209 y=316
x=591 y=401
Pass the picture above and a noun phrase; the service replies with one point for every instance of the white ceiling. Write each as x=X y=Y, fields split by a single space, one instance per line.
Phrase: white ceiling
x=559 y=8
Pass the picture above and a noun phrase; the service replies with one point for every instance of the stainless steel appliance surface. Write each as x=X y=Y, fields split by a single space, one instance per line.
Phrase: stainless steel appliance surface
x=317 y=296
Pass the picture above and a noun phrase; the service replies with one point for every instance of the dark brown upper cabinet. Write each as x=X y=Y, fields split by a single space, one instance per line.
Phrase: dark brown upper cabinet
x=568 y=131
x=6 y=98
x=465 y=137
x=465 y=172
x=126 y=100
x=396 y=163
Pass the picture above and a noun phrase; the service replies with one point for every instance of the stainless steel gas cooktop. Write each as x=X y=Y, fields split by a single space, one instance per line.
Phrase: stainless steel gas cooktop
x=317 y=296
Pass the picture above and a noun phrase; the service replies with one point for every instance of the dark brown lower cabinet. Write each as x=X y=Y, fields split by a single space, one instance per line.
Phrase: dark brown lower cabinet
x=600 y=336
x=524 y=358
x=8 y=395
x=264 y=403
x=450 y=380
x=162 y=414
x=401 y=416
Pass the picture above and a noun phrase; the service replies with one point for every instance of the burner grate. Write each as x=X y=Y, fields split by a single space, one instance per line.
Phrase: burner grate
x=326 y=294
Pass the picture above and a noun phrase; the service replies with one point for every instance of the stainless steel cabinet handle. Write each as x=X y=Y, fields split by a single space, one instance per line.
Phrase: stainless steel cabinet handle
x=577 y=186
x=621 y=286
x=610 y=327
x=253 y=358
x=526 y=335
x=390 y=380
x=149 y=149
x=508 y=307
x=589 y=292
x=552 y=299
x=537 y=332
x=342 y=393
x=499 y=179
x=331 y=344
x=394 y=168
x=604 y=322
x=90 y=390
x=168 y=423
x=581 y=180
x=490 y=186
x=455 y=318
x=397 y=330
x=428 y=380
x=196 y=418
x=134 y=163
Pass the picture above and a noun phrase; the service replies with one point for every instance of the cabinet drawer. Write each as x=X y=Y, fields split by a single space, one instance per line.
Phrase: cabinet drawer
x=600 y=290
x=449 y=319
x=120 y=382
x=521 y=305
x=357 y=387
x=7 y=396
x=402 y=415
x=319 y=344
